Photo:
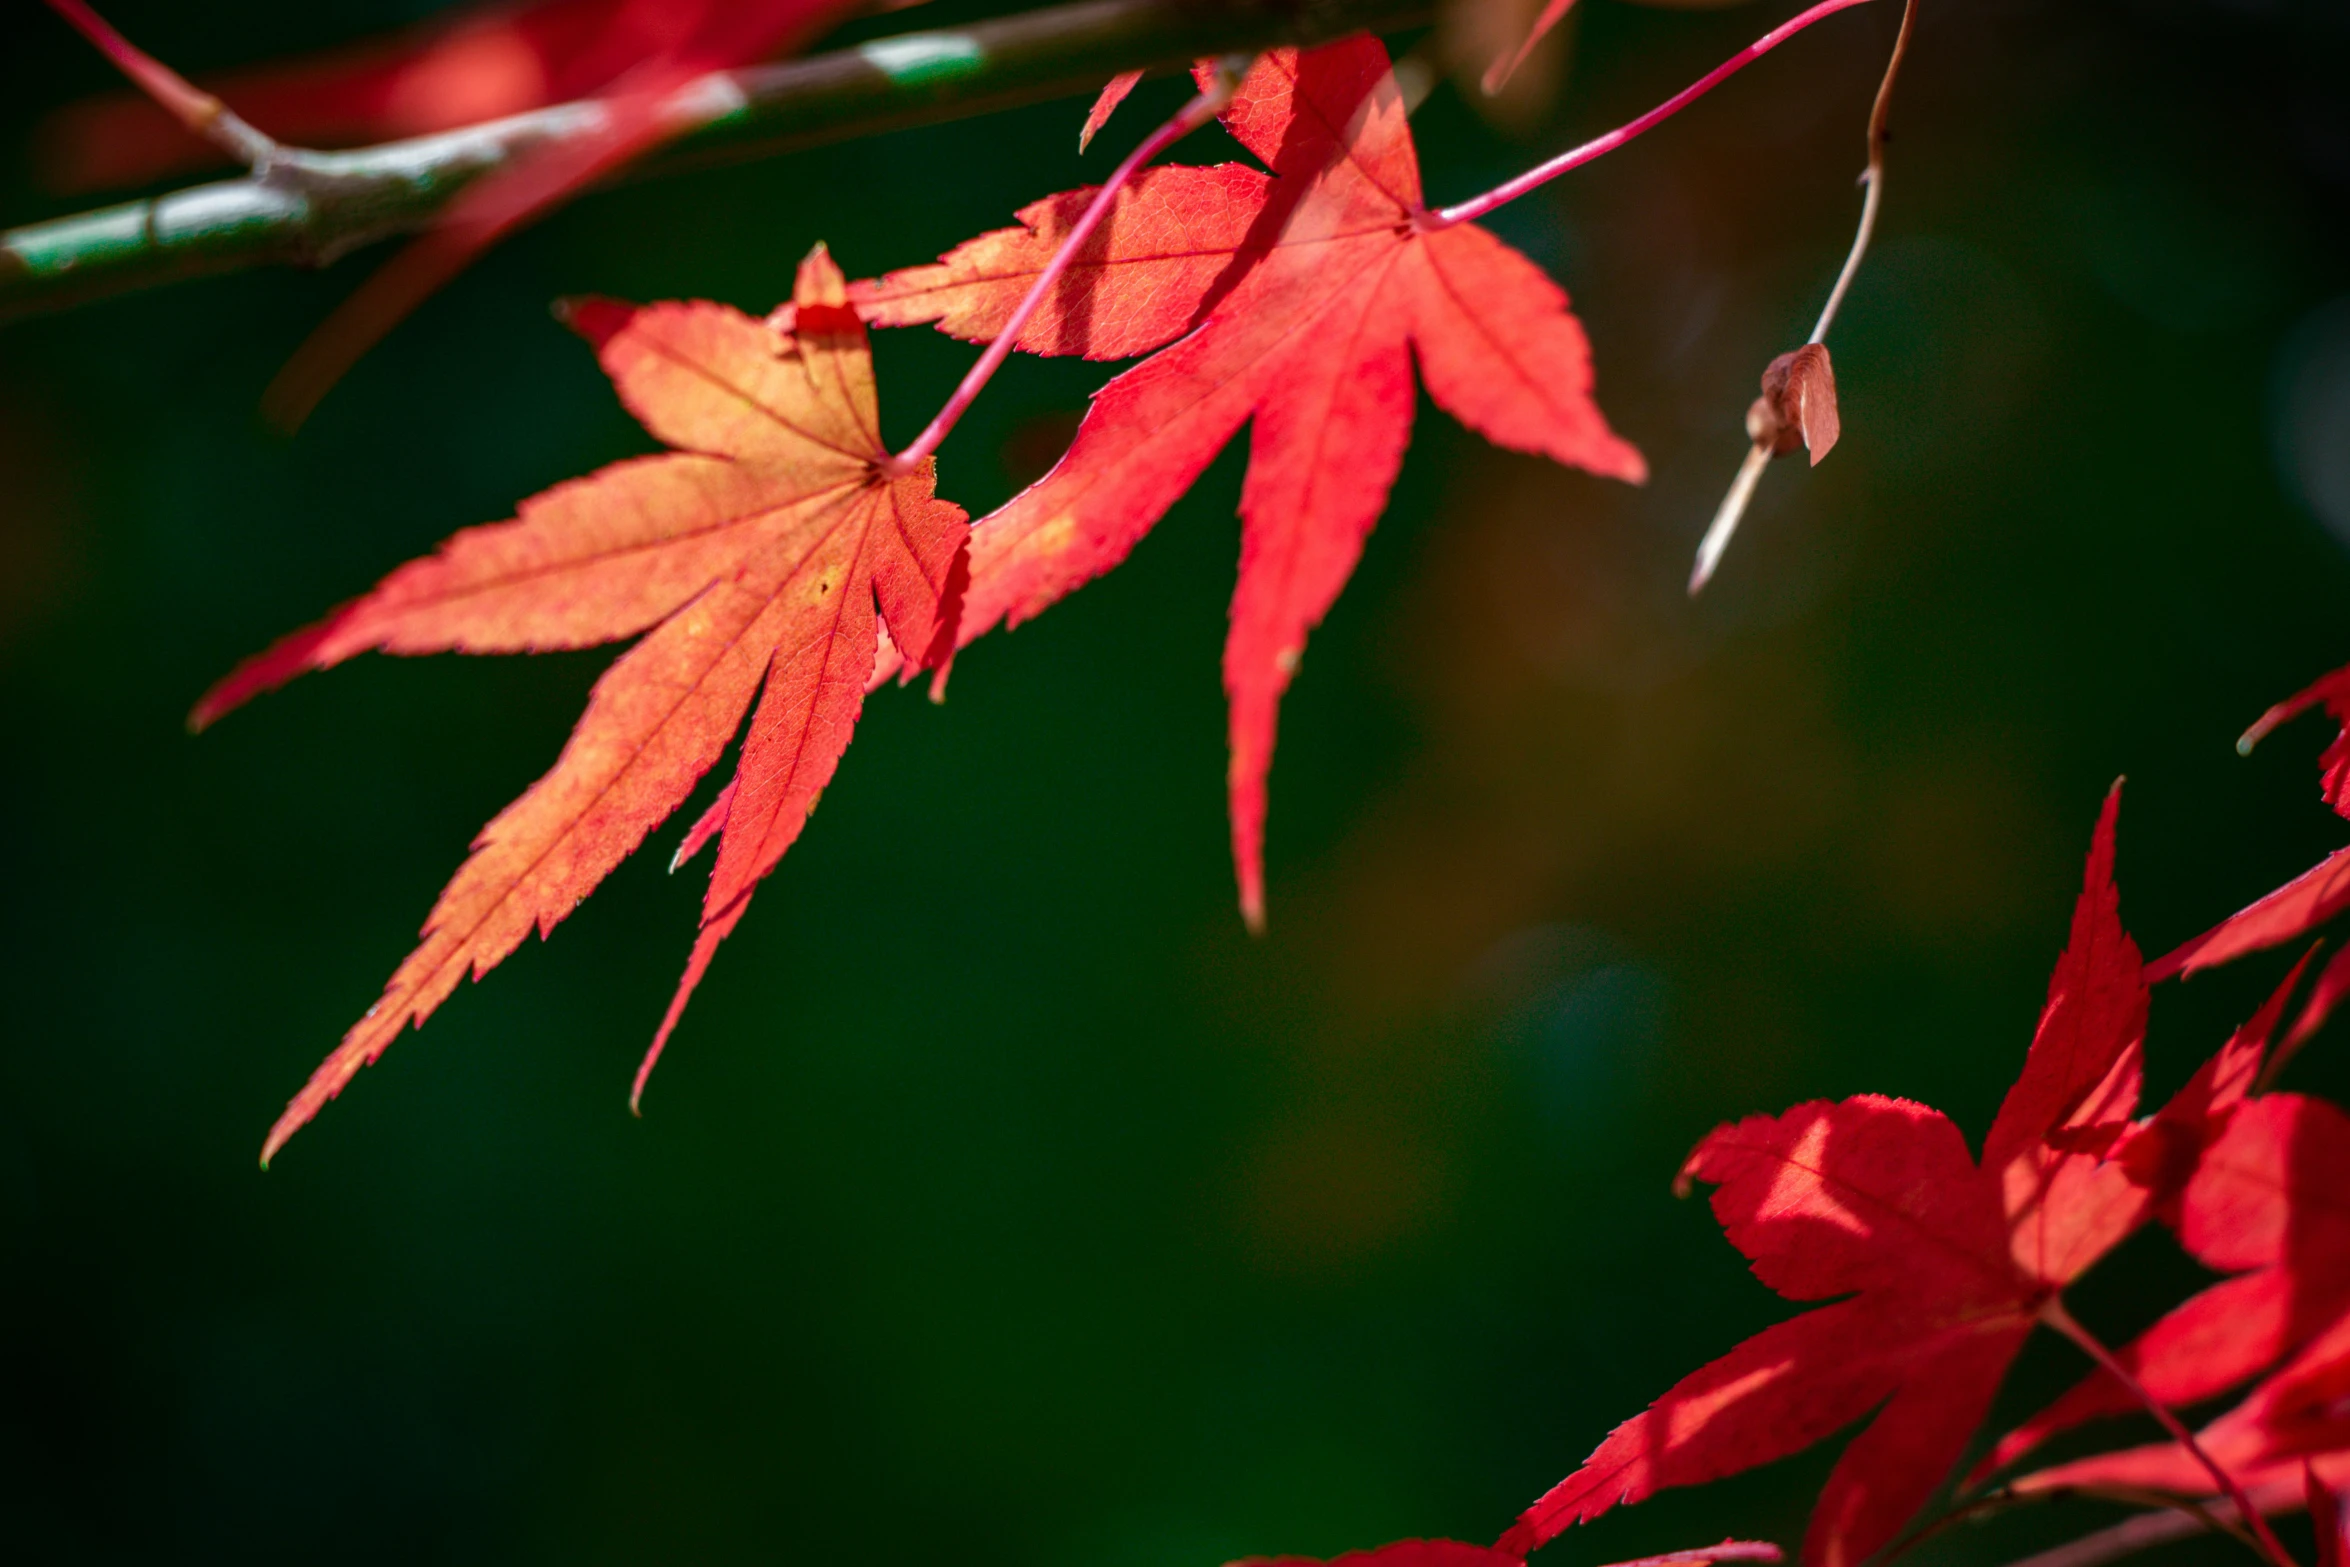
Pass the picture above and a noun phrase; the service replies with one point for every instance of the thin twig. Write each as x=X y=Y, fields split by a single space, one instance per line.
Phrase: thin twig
x=1204 y=106
x=1543 y=173
x=2179 y=1519
x=1873 y=177
x=1974 y=1507
x=2122 y=1539
x=1725 y=523
x=185 y=102
x=1727 y=1551
x=1758 y=456
x=2055 y=1315
x=2219 y=1517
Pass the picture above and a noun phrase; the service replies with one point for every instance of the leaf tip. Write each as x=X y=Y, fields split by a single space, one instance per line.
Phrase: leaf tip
x=2108 y=814
x=594 y=317
x=1098 y=116
x=820 y=280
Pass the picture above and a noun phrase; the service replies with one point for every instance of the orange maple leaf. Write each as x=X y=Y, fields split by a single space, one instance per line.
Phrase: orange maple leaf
x=754 y=555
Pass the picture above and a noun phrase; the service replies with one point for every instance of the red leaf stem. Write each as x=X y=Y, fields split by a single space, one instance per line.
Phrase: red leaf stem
x=1543 y=173
x=2054 y=1314
x=1209 y=102
x=2132 y=1535
x=193 y=107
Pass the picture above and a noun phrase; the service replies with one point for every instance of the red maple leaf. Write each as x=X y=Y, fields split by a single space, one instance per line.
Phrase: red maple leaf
x=753 y=556
x=2326 y=996
x=1301 y=299
x=1947 y=1262
x=2295 y=1422
x=2234 y=1167
x=2331 y=692
x=2300 y=906
x=2269 y=1201
x=2308 y=900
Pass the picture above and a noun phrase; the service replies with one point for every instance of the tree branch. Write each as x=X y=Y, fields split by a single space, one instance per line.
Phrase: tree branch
x=309 y=208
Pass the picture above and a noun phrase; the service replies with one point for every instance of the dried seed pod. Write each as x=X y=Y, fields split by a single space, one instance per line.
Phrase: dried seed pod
x=1798 y=404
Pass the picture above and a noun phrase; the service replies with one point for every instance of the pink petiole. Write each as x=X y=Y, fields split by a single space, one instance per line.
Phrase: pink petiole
x=1543 y=173
x=185 y=102
x=1209 y=103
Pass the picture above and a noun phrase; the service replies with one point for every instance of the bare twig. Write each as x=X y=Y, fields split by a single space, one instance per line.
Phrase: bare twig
x=1758 y=456
x=1880 y=117
x=1719 y=532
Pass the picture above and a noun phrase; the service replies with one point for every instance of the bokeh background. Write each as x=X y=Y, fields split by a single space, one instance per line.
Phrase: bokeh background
x=1000 y=1201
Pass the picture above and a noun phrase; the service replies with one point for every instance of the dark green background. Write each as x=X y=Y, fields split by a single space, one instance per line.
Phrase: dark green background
x=1000 y=1202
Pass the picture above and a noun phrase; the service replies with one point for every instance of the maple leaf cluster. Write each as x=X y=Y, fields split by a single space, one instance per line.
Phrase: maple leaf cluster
x=1941 y=1265
x=2267 y=1202
x=1294 y=298
x=778 y=563
x=1935 y=1265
